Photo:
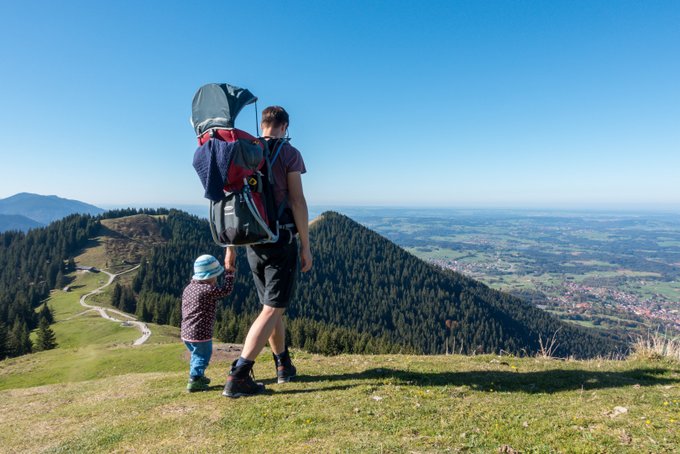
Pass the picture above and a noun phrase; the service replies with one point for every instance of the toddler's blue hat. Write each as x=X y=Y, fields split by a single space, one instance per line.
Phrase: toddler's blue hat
x=206 y=267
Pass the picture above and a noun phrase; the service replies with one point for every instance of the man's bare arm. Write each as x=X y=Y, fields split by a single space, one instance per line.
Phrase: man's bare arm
x=298 y=204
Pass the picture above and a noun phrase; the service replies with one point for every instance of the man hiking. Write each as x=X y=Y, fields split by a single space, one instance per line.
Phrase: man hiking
x=275 y=265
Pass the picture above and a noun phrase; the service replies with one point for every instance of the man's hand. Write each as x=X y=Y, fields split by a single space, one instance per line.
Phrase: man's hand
x=305 y=259
x=230 y=259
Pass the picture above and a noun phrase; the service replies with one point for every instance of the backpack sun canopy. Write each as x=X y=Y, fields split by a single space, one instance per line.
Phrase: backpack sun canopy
x=217 y=105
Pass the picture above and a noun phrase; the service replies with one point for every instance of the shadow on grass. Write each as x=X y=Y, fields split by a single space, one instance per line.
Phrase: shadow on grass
x=549 y=381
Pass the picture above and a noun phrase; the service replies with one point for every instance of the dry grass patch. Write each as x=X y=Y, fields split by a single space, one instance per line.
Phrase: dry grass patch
x=656 y=346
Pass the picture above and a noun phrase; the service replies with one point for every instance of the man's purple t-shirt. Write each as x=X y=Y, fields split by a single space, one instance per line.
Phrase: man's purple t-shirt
x=289 y=160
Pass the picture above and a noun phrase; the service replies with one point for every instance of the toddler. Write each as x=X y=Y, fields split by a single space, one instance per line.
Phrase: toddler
x=199 y=303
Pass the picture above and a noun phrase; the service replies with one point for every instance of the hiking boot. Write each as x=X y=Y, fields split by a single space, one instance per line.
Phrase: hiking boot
x=285 y=370
x=241 y=387
x=240 y=382
x=198 y=384
x=284 y=373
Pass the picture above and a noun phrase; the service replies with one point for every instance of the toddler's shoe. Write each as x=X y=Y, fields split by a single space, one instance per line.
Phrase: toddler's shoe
x=198 y=384
x=203 y=379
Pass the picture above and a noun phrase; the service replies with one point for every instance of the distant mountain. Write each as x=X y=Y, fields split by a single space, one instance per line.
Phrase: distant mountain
x=44 y=208
x=17 y=222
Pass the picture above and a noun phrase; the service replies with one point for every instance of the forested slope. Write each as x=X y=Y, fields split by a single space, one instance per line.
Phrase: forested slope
x=363 y=280
x=362 y=288
x=30 y=265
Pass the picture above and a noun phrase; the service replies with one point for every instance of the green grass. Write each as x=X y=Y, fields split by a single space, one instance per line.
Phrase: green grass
x=595 y=235
x=98 y=393
x=670 y=290
x=348 y=404
x=586 y=323
x=104 y=298
x=90 y=328
x=511 y=282
x=91 y=347
x=592 y=263
x=89 y=362
x=74 y=326
x=438 y=253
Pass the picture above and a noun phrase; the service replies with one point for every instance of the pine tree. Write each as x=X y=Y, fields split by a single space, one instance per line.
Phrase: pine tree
x=46 y=313
x=128 y=301
x=36 y=258
x=60 y=281
x=117 y=292
x=46 y=339
x=3 y=341
x=175 y=317
x=19 y=341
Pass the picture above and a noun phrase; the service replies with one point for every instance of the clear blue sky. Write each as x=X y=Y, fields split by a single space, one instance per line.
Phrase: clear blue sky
x=451 y=103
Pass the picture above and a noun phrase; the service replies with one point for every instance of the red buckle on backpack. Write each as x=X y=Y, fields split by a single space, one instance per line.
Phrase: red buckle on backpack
x=228 y=135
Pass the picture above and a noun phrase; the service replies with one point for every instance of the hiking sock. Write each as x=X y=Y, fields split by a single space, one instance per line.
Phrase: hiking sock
x=244 y=362
x=241 y=367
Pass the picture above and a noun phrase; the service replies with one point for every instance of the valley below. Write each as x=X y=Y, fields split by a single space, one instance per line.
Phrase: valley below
x=616 y=272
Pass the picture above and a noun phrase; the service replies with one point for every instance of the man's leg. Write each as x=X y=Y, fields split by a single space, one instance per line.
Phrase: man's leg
x=277 y=341
x=261 y=330
x=273 y=271
x=239 y=383
x=285 y=370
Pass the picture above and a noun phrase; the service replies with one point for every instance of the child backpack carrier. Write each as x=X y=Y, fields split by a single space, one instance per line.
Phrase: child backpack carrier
x=234 y=168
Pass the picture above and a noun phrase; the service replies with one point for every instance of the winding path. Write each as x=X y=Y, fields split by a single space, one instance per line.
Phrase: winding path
x=146 y=332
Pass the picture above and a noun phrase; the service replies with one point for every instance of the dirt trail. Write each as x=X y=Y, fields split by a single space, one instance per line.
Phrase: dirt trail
x=143 y=328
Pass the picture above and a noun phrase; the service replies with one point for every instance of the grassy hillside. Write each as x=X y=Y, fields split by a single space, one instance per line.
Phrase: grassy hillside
x=121 y=241
x=344 y=403
x=97 y=393
x=89 y=346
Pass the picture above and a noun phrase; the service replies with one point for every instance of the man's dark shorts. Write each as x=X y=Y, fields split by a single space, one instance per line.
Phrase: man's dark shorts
x=275 y=269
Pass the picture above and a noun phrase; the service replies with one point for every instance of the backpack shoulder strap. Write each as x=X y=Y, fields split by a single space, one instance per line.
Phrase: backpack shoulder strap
x=281 y=143
x=271 y=159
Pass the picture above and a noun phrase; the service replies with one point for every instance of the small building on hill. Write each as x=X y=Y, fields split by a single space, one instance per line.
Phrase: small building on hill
x=91 y=269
